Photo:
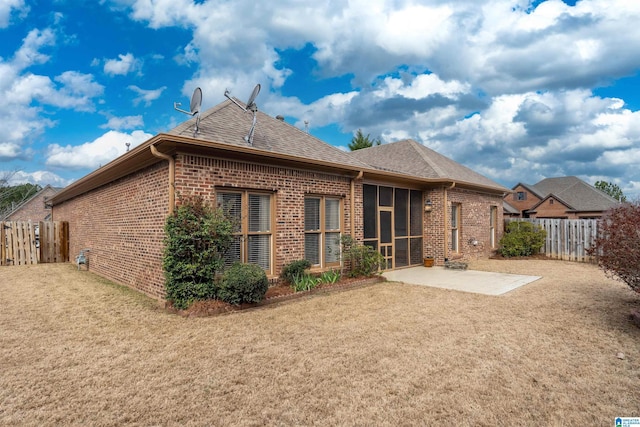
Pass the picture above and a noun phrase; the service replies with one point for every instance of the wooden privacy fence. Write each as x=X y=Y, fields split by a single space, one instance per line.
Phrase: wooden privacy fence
x=26 y=242
x=566 y=239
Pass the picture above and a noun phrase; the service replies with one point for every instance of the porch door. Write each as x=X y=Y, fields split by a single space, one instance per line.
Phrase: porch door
x=386 y=236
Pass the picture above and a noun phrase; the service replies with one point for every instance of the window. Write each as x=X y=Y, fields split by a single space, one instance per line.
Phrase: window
x=493 y=220
x=455 y=227
x=521 y=195
x=550 y=201
x=253 y=235
x=322 y=222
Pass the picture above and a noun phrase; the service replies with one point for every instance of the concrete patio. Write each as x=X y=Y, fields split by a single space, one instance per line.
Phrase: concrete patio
x=480 y=282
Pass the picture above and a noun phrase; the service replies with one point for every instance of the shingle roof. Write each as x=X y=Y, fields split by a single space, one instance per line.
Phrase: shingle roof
x=576 y=193
x=531 y=188
x=509 y=209
x=412 y=158
x=226 y=123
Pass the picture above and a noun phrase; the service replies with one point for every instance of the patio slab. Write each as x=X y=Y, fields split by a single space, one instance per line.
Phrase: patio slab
x=480 y=282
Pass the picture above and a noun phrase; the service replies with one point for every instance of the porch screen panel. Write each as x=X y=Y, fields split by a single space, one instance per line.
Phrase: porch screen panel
x=385 y=227
x=370 y=204
x=415 y=213
x=386 y=196
x=400 y=206
x=402 y=253
x=415 y=250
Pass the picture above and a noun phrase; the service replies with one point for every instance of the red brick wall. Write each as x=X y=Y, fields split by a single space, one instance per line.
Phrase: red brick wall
x=521 y=205
x=197 y=175
x=34 y=210
x=474 y=224
x=122 y=224
x=552 y=208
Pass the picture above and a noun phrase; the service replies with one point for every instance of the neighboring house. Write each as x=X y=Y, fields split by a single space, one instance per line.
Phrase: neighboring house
x=563 y=197
x=36 y=208
x=293 y=194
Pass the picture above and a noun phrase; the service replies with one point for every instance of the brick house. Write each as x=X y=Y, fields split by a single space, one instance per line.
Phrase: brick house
x=293 y=194
x=36 y=208
x=565 y=197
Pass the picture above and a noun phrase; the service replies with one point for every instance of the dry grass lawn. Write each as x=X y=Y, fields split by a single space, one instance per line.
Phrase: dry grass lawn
x=77 y=350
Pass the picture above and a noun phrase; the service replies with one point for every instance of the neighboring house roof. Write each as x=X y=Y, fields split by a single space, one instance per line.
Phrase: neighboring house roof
x=45 y=189
x=575 y=193
x=531 y=189
x=412 y=158
x=508 y=209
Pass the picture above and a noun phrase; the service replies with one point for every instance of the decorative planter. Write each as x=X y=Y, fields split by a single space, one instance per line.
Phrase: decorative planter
x=428 y=262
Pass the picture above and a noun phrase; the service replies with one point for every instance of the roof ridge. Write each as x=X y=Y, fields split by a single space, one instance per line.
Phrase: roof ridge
x=427 y=159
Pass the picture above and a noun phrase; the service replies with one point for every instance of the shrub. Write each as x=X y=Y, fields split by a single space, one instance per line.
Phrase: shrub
x=294 y=269
x=617 y=246
x=197 y=237
x=522 y=239
x=361 y=260
x=243 y=283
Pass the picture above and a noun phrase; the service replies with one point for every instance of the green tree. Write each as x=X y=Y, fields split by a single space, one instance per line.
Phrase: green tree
x=360 y=141
x=12 y=196
x=611 y=189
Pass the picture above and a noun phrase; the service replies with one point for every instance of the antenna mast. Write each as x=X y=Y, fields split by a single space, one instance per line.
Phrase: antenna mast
x=194 y=107
x=251 y=106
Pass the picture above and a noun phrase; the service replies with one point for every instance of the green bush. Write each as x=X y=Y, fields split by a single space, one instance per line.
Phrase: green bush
x=197 y=237
x=243 y=283
x=522 y=239
x=360 y=260
x=294 y=269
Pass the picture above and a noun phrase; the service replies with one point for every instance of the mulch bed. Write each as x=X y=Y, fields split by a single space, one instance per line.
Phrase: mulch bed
x=275 y=294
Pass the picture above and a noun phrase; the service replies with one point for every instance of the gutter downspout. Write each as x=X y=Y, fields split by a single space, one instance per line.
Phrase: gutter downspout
x=353 y=204
x=172 y=175
x=446 y=218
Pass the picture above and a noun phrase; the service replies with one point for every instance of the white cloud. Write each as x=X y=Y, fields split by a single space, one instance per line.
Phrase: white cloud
x=123 y=123
x=9 y=8
x=96 y=153
x=124 y=65
x=505 y=87
x=41 y=178
x=29 y=53
x=9 y=150
x=146 y=95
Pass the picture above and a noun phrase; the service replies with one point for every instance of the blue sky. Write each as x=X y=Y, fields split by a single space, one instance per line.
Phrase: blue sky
x=517 y=90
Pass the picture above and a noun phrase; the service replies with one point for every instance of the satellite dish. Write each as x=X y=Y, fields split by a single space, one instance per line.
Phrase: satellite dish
x=194 y=107
x=196 y=101
x=250 y=106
